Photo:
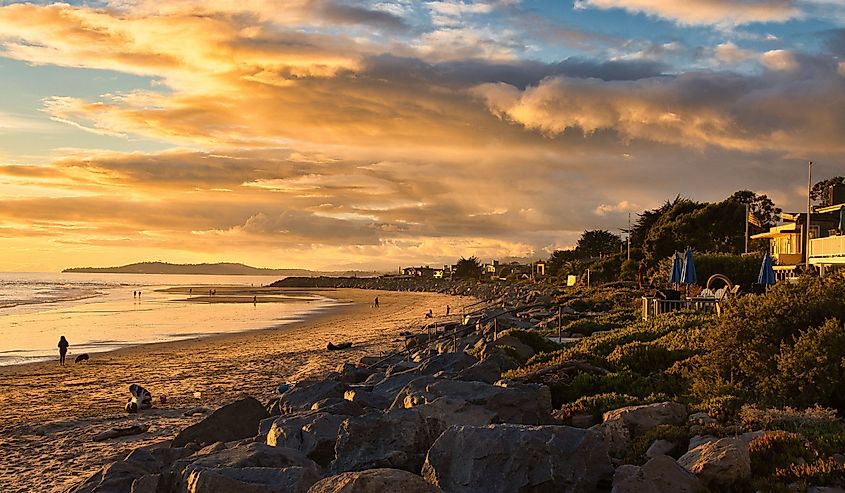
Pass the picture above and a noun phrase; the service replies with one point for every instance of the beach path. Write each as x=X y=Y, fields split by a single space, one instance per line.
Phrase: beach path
x=51 y=413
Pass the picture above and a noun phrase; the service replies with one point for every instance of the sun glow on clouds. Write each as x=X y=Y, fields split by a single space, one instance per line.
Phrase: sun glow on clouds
x=332 y=133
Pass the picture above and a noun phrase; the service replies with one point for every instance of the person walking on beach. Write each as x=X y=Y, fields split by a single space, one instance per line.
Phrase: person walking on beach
x=375 y=302
x=63 y=344
x=448 y=309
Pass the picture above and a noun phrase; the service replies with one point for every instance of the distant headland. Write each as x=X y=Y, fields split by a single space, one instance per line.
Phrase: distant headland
x=218 y=269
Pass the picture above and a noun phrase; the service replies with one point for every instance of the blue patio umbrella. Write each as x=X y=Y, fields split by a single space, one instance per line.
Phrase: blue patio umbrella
x=842 y=220
x=675 y=275
x=767 y=273
x=688 y=271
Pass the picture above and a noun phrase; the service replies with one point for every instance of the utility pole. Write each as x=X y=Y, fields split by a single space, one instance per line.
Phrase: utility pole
x=746 y=228
x=629 y=235
x=809 y=212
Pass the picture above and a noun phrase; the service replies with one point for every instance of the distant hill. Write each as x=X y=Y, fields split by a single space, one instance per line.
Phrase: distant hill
x=219 y=269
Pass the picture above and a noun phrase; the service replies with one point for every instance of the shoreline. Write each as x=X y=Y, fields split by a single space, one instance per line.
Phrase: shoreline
x=52 y=412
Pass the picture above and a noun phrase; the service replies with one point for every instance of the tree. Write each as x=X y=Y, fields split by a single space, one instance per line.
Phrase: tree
x=598 y=243
x=559 y=260
x=468 y=268
x=760 y=205
x=647 y=219
x=819 y=191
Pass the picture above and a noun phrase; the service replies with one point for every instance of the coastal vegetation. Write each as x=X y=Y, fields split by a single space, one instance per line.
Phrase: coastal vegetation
x=771 y=363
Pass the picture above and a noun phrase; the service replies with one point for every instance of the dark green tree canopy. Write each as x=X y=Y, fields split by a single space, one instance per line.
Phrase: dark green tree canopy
x=597 y=243
x=760 y=205
x=562 y=260
x=819 y=191
x=468 y=268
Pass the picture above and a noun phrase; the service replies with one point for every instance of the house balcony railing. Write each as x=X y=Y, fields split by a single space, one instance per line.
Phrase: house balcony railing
x=827 y=249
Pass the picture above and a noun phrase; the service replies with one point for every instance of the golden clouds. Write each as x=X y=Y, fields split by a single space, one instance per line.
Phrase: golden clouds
x=691 y=110
x=731 y=12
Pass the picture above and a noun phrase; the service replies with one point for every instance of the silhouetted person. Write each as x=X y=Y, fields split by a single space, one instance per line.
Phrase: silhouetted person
x=448 y=309
x=429 y=314
x=63 y=344
x=254 y=300
x=375 y=302
x=141 y=399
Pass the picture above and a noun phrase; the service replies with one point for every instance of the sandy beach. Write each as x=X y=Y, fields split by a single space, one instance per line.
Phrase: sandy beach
x=51 y=413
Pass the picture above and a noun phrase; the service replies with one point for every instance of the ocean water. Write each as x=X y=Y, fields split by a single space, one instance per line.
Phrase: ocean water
x=98 y=312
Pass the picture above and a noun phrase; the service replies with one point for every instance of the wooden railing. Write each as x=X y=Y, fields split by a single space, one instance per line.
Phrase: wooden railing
x=826 y=248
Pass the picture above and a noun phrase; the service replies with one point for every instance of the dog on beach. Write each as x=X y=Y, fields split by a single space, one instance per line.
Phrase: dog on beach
x=82 y=357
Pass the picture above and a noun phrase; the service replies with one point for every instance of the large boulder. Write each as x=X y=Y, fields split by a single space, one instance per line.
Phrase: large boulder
x=507 y=458
x=336 y=405
x=718 y=462
x=234 y=456
x=464 y=403
x=506 y=344
x=234 y=421
x=447 y=364
x=620 y=426
x=373 y=481
x=303 y=395
x=488 y=370
x=659 y=475
x=313 y=433
x=367 y=399
x=397 y=439
x=116 y=477
x=252 y=480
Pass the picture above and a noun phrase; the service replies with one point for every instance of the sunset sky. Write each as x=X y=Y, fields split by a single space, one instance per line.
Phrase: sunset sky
x=334 y=134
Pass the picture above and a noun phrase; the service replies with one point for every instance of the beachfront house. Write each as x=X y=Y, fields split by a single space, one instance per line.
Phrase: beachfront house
x=427 y=272
x=446 y=272
x=787 y=241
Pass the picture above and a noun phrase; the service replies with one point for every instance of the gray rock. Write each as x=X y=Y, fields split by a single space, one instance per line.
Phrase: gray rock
x=698 y=440
x=449 y=363
x=659 y=475
x=116 y=477
x=373 y=481
x=234 y=421
x=507 y=344
x=720 y=462
x=659 y=448
x=251 y=480
x=366 y=399
x=314 y=434
x=350 y=373
x=397 y=439
x=583 y=420
x=451 y=400
x=620 y=426
x=488 y=370
x=507 y=458
x=234 y=456
x=147 y=483
x=303 y=395
x=337 y=405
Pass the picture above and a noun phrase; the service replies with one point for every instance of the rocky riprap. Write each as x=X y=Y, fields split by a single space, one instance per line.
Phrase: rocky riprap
x=436 y=416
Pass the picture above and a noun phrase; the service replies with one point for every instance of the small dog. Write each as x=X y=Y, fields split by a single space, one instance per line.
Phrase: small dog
x=81 y=357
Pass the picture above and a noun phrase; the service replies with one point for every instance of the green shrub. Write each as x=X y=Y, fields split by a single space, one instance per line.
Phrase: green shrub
x=822 y=472
x=779 y=449
x=746 y=343
x=641 y=357
x=810 y=371
x=598 y=404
